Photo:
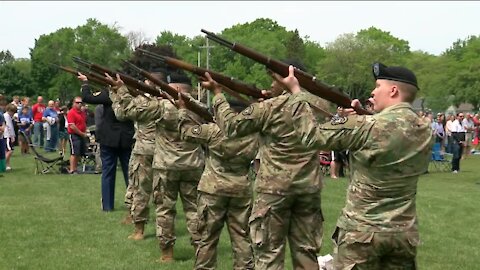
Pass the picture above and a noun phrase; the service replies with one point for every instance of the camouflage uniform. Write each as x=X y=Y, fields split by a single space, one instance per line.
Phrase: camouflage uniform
x=140 y=182
x=388 y=151
x=177 y=167
x=225 y=192
x=288 y=185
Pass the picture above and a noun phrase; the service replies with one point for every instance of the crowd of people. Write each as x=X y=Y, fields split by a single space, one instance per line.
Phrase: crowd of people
x=39 y=126
x=166 y=151
x=457 y=134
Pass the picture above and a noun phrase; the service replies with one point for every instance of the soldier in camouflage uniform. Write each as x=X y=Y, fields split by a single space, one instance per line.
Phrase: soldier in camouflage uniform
x=388 y=151
x=140 y=183
x=224 y=192
x=288 y=183
x=177 y=165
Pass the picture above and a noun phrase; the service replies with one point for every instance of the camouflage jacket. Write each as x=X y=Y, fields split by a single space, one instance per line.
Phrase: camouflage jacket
x=227 y=161
x=388 y=151
x=171 y=153
x=286 y=167
x=144 y=131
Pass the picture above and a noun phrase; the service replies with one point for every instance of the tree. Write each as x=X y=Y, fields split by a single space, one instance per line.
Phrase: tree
x=349 y=58
x=6 y=57
x=93 y=41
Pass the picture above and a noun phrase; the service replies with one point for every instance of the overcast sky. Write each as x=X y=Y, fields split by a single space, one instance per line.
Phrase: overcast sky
x=428 y=26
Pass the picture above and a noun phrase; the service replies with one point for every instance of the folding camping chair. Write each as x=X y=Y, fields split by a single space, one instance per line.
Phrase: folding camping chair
x=44 y=164
x=440 y=161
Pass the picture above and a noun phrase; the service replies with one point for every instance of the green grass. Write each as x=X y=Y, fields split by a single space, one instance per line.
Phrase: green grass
x=55 y=222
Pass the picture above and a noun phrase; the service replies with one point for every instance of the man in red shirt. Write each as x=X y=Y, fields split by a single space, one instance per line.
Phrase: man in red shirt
x=37 y=113
x=77 y=127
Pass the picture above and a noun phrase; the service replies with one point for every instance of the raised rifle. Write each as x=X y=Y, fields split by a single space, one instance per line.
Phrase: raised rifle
x=189 y=103
x=306 y=80
x=128 y=80
x=232 y=86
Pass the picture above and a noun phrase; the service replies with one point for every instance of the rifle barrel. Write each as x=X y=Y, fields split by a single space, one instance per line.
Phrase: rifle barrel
x=307 y=81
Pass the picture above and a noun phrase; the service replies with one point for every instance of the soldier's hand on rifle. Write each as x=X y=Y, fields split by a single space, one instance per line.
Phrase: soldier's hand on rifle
x=117 y=83
x=82 y=77
x=211 y=85
x=290 y=82
x=180 y=102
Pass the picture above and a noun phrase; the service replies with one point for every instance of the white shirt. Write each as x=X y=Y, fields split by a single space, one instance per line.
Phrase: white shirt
x=448 y=127
x=9 y=131
x=457 y=127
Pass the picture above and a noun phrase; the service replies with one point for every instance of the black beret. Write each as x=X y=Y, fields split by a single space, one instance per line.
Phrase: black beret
x=179 y=78
x=400 y=74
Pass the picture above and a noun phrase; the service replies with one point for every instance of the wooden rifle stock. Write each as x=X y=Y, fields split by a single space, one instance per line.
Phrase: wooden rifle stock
x=128 y=80
x=307 y=81
x=194 y=107
x=229 y=82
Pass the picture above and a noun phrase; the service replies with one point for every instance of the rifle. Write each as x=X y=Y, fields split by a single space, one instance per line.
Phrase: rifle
x=307 y=81
x=93 y=77
x=229 y=82
x=194 y=107
x=128 y=80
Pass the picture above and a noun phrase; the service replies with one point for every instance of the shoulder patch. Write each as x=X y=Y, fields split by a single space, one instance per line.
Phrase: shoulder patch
x=248 y=110
x=338 y=120
x=96 y=94
x=197 y=130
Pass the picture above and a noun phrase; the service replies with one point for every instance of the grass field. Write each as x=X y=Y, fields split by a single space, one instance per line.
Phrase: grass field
x=55 y=222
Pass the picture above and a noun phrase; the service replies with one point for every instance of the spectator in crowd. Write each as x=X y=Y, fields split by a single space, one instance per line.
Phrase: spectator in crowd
x=16 y=101
x=25 y=103
x=25 y=126
x=9 y=133
x=98 y=122
x=458 y=136
x=476 y=122
x=37 y=113
x=2 y=140
x=77 y=129
x=50 y=117
x=438 y=130
x=448 y=131
x=62 y=129
x=469 y=126
x=338 y=157
x=57 y=106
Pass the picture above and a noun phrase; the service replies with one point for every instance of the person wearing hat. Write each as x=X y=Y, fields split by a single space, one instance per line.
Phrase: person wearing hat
x=177 y=165
x=224 y=191
x=388 y=152
x=288 y=184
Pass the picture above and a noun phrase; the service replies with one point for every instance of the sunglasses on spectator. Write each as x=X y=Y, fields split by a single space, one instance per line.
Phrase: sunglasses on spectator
x=79 y=102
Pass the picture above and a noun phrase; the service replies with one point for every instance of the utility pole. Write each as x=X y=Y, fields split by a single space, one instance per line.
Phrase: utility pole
x=208 y=47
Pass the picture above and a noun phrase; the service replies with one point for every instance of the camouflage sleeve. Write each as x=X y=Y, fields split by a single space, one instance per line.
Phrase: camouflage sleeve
x=249 y=121
x=341 y=133
x=117 y=104
x=138 y=108
x=192 y=132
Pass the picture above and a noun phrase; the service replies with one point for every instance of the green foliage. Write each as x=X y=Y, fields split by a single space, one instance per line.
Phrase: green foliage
x=95 y=42
x=348 y=59
x=6 y=57
x=15 y=76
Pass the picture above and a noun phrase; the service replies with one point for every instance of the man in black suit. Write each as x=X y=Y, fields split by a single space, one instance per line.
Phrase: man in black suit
x=116 y=141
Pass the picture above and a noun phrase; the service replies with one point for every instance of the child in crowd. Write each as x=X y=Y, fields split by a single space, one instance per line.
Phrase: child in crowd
x=25 y=125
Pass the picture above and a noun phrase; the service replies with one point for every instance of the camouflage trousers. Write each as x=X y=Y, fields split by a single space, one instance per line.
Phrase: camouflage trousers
x=130 y=186
x=141 y=176
x=174 y=183
x=296 y=217
x=213 y=212
x=375 y=250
